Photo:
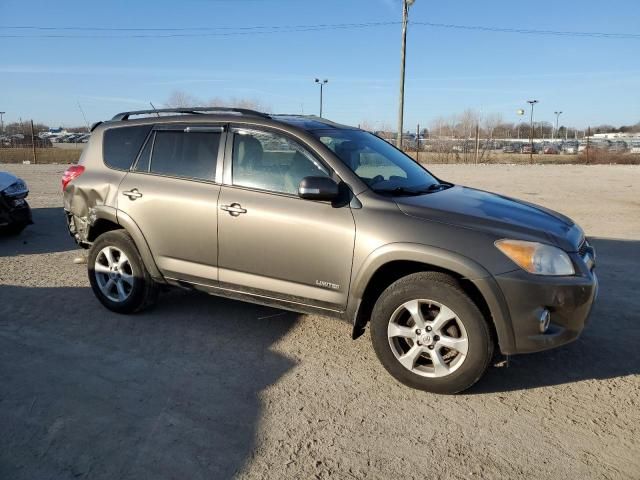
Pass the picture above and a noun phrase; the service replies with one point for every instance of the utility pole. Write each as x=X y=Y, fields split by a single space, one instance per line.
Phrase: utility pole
x=531 y=131
x=33 y=144
x=588 y=147
x=477 y=143
x=418 y=143
x=322 y=83
x=557 y=114
x=405 y=20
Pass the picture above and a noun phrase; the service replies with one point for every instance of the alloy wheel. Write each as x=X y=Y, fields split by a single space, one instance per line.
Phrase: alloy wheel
x=114 y=274
x=427 y=338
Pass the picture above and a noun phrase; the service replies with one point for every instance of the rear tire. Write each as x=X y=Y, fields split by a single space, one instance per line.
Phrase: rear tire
x=117 y=274
x=429 y=335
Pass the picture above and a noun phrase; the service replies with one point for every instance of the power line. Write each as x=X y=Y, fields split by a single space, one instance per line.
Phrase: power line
x=223 y=31
x=530 y=31
x=207 y=31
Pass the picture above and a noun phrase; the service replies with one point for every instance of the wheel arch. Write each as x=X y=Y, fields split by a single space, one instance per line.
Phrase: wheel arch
x=108 y=219
x=394 y=261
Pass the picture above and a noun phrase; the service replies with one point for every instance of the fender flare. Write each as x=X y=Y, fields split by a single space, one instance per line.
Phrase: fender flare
x=446 y=260
x=103 y=212
x=143 y=247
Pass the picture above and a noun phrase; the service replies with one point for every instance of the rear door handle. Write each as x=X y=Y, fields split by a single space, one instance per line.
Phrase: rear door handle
x=132 y=194
x=234 y=209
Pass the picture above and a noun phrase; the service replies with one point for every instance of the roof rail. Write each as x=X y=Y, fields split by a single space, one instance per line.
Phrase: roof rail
x=189 y=110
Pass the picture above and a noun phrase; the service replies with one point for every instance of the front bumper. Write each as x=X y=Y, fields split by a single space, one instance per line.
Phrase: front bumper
x=14 y=211
x=569 y=300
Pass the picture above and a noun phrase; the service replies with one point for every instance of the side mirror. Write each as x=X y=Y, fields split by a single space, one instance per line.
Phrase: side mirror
x=318 y=188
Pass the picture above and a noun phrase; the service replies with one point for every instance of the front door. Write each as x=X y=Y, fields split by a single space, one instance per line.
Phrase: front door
x=172 y=195
x=273 y=243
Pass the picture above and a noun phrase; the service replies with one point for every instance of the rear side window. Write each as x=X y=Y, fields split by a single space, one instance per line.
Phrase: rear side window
x=121 y=145
x=185 y=154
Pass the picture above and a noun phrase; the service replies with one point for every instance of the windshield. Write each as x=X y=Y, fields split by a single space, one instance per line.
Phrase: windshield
x=381 y=166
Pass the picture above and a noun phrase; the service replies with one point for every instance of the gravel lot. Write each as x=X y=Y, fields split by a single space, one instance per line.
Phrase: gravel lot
x=202 y=387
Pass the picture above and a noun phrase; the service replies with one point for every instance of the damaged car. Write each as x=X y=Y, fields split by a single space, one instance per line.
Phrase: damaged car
x=15 y=213
x=308 y=215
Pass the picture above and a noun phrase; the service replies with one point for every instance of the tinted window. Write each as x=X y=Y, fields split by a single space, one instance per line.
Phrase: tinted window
x=145 y=156
x=180 y=154
x=271 y=162
x=121 y=145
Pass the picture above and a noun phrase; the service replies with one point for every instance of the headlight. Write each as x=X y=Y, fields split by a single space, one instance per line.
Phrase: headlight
x=537 y=258
x=17 y=188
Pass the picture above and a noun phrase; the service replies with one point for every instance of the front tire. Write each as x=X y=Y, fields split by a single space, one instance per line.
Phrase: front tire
x=14 y=229
x=117 y=274
x=429 y=335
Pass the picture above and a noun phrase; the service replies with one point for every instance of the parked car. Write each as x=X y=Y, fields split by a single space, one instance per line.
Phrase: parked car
x=618 y=146
x=570 y=148
x=265 y=208
x=551 y=150
x=634 y=147
x=527 y=148
x=15 y=213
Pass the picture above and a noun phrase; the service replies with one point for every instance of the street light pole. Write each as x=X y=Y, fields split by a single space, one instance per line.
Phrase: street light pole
x=557 y=114
x=322 y=83
x=405 y=20
x=531 y=132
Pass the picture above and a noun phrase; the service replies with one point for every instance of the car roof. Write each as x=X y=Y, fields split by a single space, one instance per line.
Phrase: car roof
x=221 y=114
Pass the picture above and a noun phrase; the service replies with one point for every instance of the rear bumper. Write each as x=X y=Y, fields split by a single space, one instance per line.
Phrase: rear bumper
x=568 y=299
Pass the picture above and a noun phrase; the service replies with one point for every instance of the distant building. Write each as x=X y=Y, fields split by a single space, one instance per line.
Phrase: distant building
x=615 y=135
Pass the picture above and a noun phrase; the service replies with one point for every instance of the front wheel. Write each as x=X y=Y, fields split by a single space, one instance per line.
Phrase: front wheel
x=430 y=335
x=117 y=274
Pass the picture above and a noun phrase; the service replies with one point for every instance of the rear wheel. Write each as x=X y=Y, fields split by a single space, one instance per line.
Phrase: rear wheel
x=117 y=274
x=430 y=335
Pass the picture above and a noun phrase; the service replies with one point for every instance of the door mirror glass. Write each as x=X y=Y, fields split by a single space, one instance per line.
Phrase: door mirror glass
x=318 y=188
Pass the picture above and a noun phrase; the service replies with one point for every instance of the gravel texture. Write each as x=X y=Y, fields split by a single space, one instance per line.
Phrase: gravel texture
x=203 y=387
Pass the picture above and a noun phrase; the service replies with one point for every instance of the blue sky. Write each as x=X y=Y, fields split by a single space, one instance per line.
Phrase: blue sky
x=592 y=80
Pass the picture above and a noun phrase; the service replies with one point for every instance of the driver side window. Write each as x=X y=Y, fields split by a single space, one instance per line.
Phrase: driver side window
x=272 y=162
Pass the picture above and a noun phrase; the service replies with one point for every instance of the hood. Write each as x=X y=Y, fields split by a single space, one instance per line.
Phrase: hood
x=497 y=215
x=6 y=179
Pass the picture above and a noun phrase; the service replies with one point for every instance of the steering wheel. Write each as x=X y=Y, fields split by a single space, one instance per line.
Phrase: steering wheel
x=376 y=179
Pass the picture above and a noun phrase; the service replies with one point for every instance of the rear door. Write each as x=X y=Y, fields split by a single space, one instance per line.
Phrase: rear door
x=172 y=194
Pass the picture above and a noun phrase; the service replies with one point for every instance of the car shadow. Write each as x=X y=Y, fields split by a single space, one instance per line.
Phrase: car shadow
x=169 y=393
x=607 y=348
x=48 y=234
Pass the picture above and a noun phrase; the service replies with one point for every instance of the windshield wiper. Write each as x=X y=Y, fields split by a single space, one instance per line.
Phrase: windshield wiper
x=406 y=191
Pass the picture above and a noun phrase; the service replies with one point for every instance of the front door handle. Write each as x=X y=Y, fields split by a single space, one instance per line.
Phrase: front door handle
x=132 y=194
x=234 y=209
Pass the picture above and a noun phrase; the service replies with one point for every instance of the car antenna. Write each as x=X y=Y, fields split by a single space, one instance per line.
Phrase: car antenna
x=152 y=106
x=83 y=115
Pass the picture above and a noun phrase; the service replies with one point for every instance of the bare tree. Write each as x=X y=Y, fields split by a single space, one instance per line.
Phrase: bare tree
x=178 y=99
x=491 y=122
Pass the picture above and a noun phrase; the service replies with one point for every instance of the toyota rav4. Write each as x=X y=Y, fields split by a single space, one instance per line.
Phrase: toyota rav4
x=304 y=214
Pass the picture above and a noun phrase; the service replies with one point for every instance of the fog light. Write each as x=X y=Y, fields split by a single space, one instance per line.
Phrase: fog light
x=544 y=320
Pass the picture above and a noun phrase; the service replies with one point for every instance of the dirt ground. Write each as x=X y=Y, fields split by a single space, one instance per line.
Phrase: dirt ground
x=202 y=387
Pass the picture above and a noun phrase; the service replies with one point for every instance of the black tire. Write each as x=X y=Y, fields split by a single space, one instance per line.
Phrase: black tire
x=14 y=228
x=143 y=292
x=441 y=288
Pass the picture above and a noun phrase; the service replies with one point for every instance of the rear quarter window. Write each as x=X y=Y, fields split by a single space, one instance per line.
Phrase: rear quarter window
x=122 y=144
